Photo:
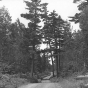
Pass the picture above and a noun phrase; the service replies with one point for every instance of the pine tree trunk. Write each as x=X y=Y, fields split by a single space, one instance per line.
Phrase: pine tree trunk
x=0 y=52
x=57 y=65
x=59 y=56
x=56 y=53
x=44 y=63
x=52 y=65
x=59 y=62
x=56 y=57
x=32 y=67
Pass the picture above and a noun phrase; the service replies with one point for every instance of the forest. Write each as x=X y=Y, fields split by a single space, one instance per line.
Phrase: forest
x=66 y=50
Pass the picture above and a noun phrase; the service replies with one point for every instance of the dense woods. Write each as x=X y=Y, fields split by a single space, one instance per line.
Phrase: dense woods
x=66 y=49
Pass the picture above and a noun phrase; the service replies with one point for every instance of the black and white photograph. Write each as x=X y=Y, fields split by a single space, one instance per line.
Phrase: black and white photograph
x=43 y=43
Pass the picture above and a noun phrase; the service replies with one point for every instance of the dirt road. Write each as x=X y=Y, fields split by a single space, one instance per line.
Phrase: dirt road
x=42 y=85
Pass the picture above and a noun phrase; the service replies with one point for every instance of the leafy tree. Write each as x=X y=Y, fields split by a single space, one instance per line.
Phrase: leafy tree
x=5 y=21
x=9 y=35
x=73 y=55
x=81 y=17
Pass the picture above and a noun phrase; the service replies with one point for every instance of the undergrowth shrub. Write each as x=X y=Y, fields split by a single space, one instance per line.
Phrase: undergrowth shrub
x=33 y=80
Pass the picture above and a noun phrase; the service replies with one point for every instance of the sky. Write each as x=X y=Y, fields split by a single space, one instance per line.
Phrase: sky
x=65 y=8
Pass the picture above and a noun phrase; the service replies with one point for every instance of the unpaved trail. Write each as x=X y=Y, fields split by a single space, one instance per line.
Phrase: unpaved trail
x=44 y=84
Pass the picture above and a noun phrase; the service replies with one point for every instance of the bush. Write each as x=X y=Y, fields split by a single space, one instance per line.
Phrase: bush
x=23 y=76
x=42 y=75
x=11 y=81
x=33 y=80
x=82 y=85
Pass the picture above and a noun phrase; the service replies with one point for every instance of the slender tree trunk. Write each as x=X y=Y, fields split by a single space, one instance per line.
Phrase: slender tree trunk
x=56 y=52
x=57 y=65
x=52 y=64
x=56 y=55
x=1 y=53
x=59 y=56
x=44 y=63
x=32 y=67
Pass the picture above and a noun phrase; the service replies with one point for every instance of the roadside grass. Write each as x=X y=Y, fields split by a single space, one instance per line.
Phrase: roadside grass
x=16 y=80
x=11 y=81
x=43 y=75
x=69 y=82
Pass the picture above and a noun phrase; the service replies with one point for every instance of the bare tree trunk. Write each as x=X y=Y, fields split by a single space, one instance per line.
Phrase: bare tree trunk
x=52 y=64
x=59 y=56
x=44 y=62
x=57 y=65
x=56 y=52
x=32 y=67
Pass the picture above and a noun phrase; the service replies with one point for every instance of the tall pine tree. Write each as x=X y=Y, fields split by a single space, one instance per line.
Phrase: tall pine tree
x=53 y=34
x=33 y=32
